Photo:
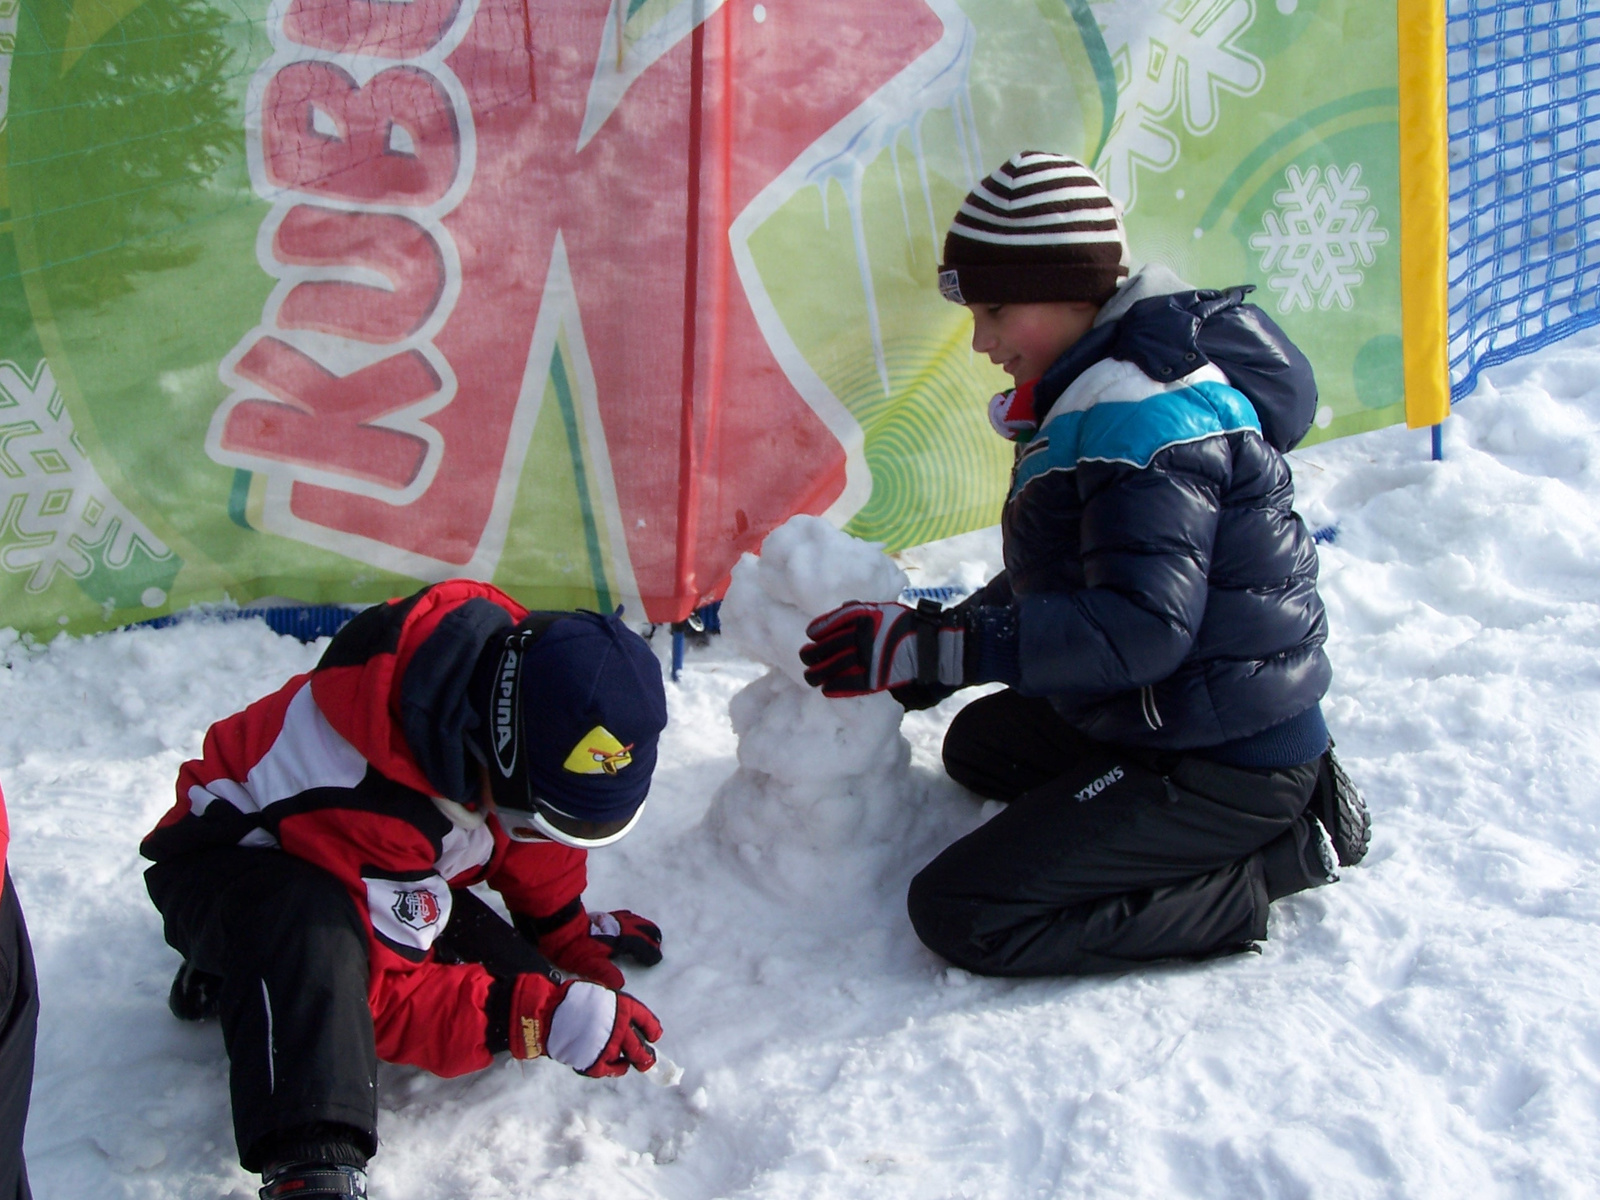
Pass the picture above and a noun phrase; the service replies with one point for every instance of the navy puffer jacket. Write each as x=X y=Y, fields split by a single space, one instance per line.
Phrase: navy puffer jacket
x=1164 y=591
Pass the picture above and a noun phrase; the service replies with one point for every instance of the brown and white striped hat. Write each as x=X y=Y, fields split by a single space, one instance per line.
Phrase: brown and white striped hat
x=1041 y=227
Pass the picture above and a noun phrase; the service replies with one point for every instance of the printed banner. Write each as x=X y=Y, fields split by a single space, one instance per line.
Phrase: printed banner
x=319 y=299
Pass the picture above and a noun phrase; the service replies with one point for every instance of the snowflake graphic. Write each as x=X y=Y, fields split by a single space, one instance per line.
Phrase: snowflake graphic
x=1322 y=240
x=54 y=508
x=1170 y=56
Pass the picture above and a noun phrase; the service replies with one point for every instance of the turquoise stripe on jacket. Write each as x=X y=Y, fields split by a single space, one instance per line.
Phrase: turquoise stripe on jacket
x=1134 y=431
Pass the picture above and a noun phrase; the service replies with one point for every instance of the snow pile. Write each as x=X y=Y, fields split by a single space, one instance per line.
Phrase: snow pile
x=1424 y=1028
x=820 y=782
x=806 y=568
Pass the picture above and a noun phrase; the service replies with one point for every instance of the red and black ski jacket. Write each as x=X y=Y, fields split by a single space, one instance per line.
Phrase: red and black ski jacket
x=342 y=767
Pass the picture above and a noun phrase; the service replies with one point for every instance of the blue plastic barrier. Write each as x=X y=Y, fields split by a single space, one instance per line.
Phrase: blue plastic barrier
x=308 y=622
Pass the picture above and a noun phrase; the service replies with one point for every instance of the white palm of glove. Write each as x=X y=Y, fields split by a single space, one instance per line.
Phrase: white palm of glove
x=581 y=1025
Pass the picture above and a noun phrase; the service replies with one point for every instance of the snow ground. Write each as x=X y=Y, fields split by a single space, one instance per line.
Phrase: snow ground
x=1429 y=1026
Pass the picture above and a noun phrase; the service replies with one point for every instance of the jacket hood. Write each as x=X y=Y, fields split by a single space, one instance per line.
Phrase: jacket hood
x=396 y=683
x=436 y=693
x=1170 y=330
x=1148 y=281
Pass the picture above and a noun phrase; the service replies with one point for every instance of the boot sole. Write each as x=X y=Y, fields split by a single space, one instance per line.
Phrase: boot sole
x=1343 y=812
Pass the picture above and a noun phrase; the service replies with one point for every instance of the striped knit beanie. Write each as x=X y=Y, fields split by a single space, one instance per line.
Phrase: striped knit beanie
x=1039 y=228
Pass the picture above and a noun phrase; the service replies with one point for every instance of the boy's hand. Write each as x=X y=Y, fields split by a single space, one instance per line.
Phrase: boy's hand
x=592 y=1029
x=860 y=648
x=587 y=944
x=626 y=934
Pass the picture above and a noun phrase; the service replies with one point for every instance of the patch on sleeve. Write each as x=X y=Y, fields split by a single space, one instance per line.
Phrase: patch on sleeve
x=408 y=914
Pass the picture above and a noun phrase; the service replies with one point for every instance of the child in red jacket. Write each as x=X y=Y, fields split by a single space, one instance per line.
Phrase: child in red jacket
x=314 y=871
x=19 y=1017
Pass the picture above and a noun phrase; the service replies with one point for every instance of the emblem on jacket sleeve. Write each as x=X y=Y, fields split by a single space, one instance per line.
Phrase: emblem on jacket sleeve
x=598 y=752
x=417 y=909
x=407 y=914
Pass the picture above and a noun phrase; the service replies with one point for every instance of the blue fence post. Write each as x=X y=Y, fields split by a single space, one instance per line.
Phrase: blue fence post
x=1438 y=443
x=702 y=622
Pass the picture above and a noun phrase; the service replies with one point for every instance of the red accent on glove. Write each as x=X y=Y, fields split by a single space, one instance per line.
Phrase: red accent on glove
x=856 y=649
x=534 y=1001
x=629 y=1045
x=627 y=935
x=587 y=944
x=572 y=948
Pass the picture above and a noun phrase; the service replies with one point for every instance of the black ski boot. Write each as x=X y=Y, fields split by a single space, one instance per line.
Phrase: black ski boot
x=1343 y=813
x=1297 y=859
x=313 y=1181
x=196 y=995
x=316 y=1161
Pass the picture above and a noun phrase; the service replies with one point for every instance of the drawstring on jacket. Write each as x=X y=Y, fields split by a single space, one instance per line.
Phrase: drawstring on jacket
x=1147 y=700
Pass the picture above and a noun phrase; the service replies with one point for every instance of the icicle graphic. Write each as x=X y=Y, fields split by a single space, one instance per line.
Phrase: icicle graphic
x=900 y=190
x=858 y=229
x=975 y=169
x=899 y=108
x=936 y=80
x=958 y=114
x=927 y=192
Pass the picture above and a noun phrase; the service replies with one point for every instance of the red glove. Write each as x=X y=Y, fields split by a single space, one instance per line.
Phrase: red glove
x=587 y=943
x=627 y=935
x=861 y=648
x=594 y=1030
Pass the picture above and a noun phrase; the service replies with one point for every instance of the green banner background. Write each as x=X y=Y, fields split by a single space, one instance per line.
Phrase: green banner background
x=1250 y=143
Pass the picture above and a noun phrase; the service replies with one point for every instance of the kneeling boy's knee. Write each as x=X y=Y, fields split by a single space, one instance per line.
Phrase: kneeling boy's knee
x=941 y=921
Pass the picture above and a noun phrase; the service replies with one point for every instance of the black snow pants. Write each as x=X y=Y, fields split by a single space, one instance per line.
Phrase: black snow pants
x=290 y=953
x=290 y=950
x=19 y=1018
x=1104 y=857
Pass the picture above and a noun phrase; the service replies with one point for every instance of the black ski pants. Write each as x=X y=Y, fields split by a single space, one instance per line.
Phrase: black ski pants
x=1104 y=857
x=19 y=1019
x=290 y=950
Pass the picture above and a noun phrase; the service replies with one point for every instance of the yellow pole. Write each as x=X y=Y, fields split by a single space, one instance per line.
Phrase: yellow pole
x=1424 y=211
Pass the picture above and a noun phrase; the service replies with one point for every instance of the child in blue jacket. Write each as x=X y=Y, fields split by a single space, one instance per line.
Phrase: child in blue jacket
x=1160 y=742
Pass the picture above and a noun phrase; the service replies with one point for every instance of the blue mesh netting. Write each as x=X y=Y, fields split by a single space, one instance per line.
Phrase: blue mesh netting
x=1524 y=83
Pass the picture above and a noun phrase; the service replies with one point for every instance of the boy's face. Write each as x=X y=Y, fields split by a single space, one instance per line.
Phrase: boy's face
x=1024 y=339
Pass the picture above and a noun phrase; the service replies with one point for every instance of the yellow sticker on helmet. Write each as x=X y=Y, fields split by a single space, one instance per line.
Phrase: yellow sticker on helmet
x=598 y=753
